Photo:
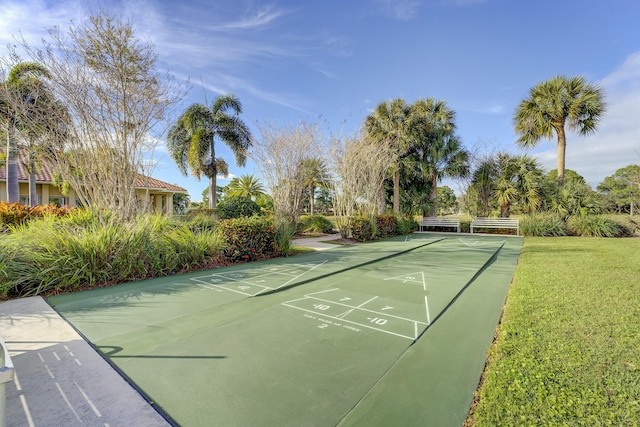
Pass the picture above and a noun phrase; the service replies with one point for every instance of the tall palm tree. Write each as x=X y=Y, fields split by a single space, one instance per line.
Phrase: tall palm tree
x=435 y=146
x=17 y=99
x=389 y=124
x=191 y=141
x=316 y=174
x=246 y=186
x=554 y=106
x=442 y=156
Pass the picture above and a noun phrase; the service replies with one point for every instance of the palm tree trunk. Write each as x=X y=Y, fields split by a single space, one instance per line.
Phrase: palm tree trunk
x=396 y=191
x=13 y=188
x=505 y=210
x=434 y=195
x=312 y=192
x=562 y=148
x=213 y=192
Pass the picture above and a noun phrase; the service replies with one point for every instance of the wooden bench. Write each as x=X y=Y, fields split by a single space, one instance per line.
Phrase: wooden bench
x=432 y=221
x=495 y=223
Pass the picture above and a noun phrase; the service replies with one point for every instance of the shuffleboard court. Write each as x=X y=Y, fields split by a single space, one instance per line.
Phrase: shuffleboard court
x=297 y=341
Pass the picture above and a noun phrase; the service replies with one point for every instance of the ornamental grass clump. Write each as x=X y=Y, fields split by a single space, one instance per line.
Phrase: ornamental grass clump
x=595 y=226
x=542 y=225
x=52 y=255
x=315 y=224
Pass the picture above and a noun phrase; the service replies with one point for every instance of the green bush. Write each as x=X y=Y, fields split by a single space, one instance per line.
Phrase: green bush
x=284 y=236
x=595 y=226
x=202 y=221
x=247 y=239
x=237 y=207
x=386 y=226
x=361 y=228
x=407 y=225
x=542 y=225
x=465 y=225
x=53 y=255
x=631 y=224
x=315 y=224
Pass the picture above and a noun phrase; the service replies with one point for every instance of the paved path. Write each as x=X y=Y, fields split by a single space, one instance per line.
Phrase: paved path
x=318 y=243
x=59 y=379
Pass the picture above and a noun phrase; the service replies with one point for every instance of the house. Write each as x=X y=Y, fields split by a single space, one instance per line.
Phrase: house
x=160 y=193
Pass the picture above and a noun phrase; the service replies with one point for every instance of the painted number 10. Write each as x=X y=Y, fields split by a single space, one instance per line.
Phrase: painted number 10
x=378 y=321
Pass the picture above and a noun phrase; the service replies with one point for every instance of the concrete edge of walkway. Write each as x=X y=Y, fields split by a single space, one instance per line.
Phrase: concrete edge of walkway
x=60 y=380
x=318 y=243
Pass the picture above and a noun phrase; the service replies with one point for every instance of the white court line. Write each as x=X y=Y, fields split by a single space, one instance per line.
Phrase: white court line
x=352 y=322
x=380 y=313
x=426 y=304
x=321 y=292
x=302 y=274
x=366 y=302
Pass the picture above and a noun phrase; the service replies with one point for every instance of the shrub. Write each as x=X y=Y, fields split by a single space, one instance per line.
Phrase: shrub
x=595 y=226
x=315 y=224
x=630 y=224
x=247 y=239
x=386 y=226
x=284 y=236
x=465 y=225
x=50 y=255
x=237 y=207
x=14 y=214
x=407 y=225
x=542 y=225
x=361 y=228
x=202 y=221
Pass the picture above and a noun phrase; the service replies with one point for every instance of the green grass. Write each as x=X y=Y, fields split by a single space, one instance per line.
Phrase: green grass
x=568 y=348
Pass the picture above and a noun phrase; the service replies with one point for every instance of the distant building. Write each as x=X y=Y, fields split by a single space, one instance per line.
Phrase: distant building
x=160 y=193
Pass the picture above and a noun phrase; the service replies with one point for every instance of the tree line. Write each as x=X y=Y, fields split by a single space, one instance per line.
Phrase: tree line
x=92 y=103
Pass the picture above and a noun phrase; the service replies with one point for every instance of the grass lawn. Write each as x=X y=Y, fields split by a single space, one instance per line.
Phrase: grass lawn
x=568 y=348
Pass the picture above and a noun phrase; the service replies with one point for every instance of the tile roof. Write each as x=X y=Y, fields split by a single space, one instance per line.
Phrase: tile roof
x=45 y=175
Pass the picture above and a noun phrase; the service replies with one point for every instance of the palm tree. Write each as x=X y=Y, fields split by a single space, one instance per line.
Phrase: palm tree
x=18 y=94
x=191 y=141
x=506 y=179
x=316 y=174
x=435 y=145
x=246 y=186
x=389 y=124
x=554 y=105
x=482 y=185
x=519 y=179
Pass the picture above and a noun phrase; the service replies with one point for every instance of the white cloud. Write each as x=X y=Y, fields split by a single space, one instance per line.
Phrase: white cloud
x=261 y=19
x=402 y=10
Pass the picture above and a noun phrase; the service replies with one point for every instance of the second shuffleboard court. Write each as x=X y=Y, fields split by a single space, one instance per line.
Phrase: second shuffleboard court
x=392 y=296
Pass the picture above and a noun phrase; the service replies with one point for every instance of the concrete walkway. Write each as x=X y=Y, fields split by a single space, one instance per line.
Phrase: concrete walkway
x=60 y=380
x=318 y=243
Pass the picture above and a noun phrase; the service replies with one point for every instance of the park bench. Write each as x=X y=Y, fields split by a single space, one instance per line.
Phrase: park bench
x=496 y=223
x=432 y=221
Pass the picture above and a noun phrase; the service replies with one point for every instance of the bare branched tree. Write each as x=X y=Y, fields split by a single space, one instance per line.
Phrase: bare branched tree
x=359 y=168
x=111 y=109
x=280 y=156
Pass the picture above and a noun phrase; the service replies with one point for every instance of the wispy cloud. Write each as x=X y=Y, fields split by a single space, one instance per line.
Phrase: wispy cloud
x=261 y=19
x=402 y=10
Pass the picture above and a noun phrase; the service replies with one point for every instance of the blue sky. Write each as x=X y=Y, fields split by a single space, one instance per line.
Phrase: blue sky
x=333 y=61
